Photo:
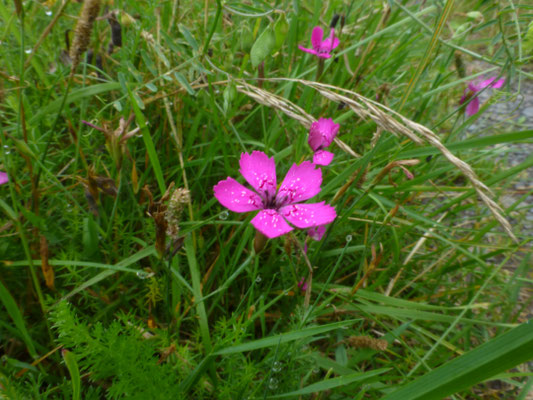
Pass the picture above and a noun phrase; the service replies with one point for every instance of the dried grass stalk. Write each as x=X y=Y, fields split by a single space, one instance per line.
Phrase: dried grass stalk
x=292 y=110
x=386 y=119
x=82 y=34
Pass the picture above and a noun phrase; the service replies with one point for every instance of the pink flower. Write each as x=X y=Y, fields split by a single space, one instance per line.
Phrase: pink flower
x=276 y=209
x=303 y=284
x=3 y=178
x=321 y=135
x=321 y=48
x=317 y=232
x=474 y=88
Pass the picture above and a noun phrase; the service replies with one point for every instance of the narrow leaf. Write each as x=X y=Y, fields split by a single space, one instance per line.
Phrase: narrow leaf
x=332 y=383
x=497 y=355
x=73 y=369
x=16 y=316
x=284 y=338
x=183 y=81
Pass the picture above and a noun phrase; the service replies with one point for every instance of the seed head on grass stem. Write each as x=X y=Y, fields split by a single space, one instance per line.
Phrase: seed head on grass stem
x=84 y=27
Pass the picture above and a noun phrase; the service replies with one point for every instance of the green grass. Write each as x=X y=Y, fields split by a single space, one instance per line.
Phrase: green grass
x=420 y=263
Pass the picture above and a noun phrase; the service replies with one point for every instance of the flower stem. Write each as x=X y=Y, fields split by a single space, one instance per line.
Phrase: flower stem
x=320 y=69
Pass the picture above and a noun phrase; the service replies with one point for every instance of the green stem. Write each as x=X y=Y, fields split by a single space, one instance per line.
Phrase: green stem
x=213 y=27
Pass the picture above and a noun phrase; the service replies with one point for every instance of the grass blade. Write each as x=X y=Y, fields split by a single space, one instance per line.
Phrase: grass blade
x=332 y=383
x=497 y=355
x=284 y=338
x=73 y=369
x=16 y=316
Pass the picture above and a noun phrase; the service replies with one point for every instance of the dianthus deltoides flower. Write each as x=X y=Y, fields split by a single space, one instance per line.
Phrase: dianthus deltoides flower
x=475 y=87
x=321 y=135
x=321 y=48
x=3 y=178
x=277 y=208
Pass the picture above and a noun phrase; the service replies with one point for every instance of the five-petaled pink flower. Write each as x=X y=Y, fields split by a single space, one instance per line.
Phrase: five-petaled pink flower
x=3 y=178
x=321 y=48
x=321 y=135
x=277 y=207
x=474 y=88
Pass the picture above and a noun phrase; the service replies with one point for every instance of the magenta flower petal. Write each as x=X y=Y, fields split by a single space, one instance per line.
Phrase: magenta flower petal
x=331 y=42
x=322 y=157
x=472 y=107
x=271 y=224
x=310 y=51
x=473 y=87
x=303 y=284
x=321 y=48
x=317 y=232
x=490 y=82
x=235 y=197
x=316 y=37
x=260 y=172
x=322 y=133
x=3 y=178
x=301 y=183
x=308 y=215
x=498 y=84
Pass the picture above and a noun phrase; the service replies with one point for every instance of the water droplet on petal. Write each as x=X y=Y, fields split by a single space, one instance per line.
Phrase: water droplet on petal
x=348 y=238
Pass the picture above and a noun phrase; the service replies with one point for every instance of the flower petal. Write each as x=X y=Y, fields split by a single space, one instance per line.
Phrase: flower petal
x=464 y=97
x=270 y=223
x=235 y=197
x=322 y=133
x=330 y=43
x=490 y=82
x=311 y=51
x=260 y=172
x=301 y=183
x=3 y=178
x=322 y=157
x=308 y=215
x=317 y=232
x=473 y=87
x=472 y=107
x=498 y=84
x=316 y=37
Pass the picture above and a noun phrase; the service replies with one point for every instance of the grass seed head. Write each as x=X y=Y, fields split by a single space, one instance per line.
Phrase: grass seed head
x=82 y=34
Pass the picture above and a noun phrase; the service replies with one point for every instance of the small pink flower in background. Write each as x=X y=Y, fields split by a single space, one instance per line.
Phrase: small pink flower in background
x=321 y=135
x=303 y=284
x=317 y=232
x=321 y=48
x=475 y=87
x=277 y=207
x=3 y=178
